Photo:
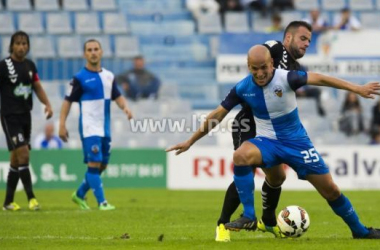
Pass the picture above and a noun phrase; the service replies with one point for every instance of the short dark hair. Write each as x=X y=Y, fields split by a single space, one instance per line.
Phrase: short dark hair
x=90 y=41
x=295 y=25
x=19 y=33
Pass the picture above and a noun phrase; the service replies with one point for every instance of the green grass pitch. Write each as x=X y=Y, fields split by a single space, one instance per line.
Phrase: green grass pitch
x=163 y=219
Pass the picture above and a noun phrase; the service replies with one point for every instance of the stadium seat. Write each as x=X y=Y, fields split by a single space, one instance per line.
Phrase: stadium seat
x=209 y=24
x=289 y=16
x=126 y=46
x=370 y=20
x=378 y=4
x=58 y=23
x=75 y=5
x=259 y=23
x=333 y=5
x=114 y=23
x=46 y=5
x=42 y=47
x=361 y=4
x=306 y=4
x=103 y=5
x=31 y=22
x=214 y=46
x=18 y=5
x=236 y=22
x=70 y=47
x=104 y=42
x=87 y=23
x=7 y=23
x=5 y=41
x=179 y=28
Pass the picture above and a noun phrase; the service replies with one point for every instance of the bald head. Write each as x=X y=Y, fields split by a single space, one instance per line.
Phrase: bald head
x=258 y=54
x=260 y=64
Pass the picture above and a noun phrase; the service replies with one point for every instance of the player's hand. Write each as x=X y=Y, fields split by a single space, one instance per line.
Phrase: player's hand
x=180 y=148
x=369 y=90
x=63 y=134
x=128 y=112
x=48 y=111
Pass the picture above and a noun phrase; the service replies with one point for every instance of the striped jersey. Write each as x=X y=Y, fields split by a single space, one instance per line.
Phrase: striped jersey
x=274 y=105
x=94 y=92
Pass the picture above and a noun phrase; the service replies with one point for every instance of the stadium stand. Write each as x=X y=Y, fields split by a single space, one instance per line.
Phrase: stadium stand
x=181 y=51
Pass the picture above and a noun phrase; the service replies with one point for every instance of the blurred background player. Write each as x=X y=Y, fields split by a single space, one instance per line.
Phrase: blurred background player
x=138 y=82
x=48 y=139
x=296 y=40
x=18 y=79
x=93 y=87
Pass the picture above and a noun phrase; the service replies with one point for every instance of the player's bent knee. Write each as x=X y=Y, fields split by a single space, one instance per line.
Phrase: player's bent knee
x=241 y=158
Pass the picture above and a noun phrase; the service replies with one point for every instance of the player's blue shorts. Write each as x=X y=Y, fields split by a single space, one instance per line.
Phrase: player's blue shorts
x=96 y=149
x=299 y=155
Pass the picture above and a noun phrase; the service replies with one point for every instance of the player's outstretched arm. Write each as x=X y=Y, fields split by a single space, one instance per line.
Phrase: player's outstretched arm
x=211 y=121
x=367 y=91
x=63 y=134
x=122 y=104
x=40 y=92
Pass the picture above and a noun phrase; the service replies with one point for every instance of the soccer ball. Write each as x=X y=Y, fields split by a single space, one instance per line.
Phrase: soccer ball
x=293 y=221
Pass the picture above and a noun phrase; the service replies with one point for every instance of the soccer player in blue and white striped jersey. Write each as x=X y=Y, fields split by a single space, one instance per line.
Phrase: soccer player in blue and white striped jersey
x=281 y=137
x=94 y=88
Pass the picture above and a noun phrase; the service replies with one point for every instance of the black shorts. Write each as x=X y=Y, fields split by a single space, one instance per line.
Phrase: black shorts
x=17 y=129
x=243 y=127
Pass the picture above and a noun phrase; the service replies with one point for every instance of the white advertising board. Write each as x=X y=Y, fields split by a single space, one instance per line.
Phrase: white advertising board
x=211 y=168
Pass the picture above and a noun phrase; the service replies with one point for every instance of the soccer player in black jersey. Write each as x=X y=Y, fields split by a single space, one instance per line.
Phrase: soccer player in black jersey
x=296 y=40
x=18 y=79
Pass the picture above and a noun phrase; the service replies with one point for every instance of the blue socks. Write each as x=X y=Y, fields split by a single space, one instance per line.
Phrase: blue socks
x=343 y=208
x=93 y=181
x=83 y=189
x=243 y=177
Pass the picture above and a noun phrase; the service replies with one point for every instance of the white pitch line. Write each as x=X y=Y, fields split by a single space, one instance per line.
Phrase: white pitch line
x=51 y=237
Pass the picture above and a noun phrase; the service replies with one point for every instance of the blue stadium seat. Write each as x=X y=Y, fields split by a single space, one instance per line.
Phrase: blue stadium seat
x=87 y=23
x=58 y=23
x=46 y=5
x=5 y=41
x=42 y=47
x=126 y=46
x=105 y=43
x=30 y=22
x=196 y=52
x=333 y=5
x=18 y=5
x=236 y=22
x=306 y=4
x=370 y=20
x=209 y=24
x=75 y=5
x=361 y=4
x=103 y=5
x=182 y=28
x=7 y=23
x=144 y=6
x=289 y=16
x=114 y=23
x=70 y=47
x=259 y=23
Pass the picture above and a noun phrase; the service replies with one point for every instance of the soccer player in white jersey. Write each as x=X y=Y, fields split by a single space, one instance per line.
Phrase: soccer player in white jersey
x=280 y=136
x=94 y=88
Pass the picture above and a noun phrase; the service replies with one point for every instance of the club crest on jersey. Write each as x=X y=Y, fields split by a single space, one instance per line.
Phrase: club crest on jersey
x=95 y=149
x=277 y=90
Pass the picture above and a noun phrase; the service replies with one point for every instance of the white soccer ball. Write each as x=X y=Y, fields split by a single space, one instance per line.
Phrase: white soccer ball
x=293 y=221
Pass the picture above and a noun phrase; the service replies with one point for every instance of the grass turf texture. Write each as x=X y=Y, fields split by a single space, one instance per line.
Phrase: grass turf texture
x=162 y=219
